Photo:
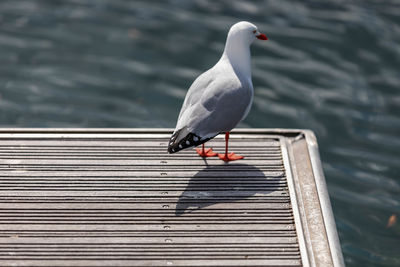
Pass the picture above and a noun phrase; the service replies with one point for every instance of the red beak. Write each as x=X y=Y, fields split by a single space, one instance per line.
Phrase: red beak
x=262 y=36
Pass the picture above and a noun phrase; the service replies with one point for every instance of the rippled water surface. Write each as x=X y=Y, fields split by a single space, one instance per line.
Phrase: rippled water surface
x=330 y=66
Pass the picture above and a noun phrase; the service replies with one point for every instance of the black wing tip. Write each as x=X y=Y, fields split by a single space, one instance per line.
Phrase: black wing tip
x=190 y=140
x=172 y=143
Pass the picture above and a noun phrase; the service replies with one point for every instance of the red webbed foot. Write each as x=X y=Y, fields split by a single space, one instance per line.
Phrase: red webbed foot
x=230 y=157
x=206 y=152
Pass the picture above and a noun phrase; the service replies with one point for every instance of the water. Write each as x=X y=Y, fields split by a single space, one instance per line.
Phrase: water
x=330 y=66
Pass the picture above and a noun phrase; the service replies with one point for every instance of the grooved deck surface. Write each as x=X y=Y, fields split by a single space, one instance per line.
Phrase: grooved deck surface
x=112 y=200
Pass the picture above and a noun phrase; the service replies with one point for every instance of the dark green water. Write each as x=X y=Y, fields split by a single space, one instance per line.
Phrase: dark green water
x=330 y=66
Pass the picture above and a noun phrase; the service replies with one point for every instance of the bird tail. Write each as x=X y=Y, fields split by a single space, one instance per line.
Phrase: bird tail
x=183 y=139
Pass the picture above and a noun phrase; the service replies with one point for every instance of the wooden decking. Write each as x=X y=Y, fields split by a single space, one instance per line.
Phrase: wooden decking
x=114 y=197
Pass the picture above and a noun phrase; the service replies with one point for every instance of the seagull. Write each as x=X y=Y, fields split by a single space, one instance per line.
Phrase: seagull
x=220 y=97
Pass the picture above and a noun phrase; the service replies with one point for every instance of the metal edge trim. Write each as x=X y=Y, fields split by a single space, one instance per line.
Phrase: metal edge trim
x=294 y=201
x=323 y=195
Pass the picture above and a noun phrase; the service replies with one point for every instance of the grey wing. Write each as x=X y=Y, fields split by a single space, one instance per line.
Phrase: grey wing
x=182 y=138
x=193 y=97
x=195 y=91
x=222 y=106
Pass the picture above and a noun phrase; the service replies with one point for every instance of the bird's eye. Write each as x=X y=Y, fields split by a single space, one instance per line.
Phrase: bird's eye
x=254 y=31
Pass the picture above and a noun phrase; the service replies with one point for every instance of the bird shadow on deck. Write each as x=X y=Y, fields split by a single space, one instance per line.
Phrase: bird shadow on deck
x=223 y=184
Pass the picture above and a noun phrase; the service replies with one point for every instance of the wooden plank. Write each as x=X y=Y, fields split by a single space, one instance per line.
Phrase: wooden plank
x=213 y=205
x=151 y=240
x=137 y=144
x=212 y=174
x=94 y=228
x=158 y=262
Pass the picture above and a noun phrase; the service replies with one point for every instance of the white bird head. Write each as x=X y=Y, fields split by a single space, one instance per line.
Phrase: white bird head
x=237 y=47
x=244 y=32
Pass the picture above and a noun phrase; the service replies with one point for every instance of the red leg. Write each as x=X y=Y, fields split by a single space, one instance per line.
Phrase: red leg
x=206 y=152
x=228 y=156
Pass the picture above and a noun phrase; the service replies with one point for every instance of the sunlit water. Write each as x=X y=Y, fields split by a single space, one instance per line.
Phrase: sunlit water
x=330 y=66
